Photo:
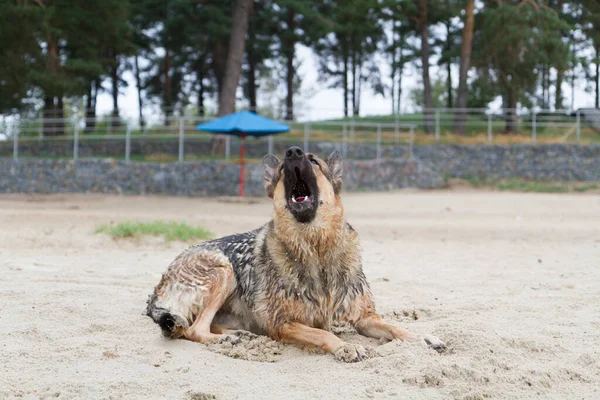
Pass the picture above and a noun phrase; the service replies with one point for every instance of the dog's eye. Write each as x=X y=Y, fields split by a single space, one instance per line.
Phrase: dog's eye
x=312 y=160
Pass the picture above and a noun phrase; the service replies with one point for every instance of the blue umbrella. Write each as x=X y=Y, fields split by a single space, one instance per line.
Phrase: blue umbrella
x=241 y=124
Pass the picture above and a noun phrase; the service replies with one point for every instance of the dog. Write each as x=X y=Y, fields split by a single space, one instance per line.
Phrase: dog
x=290 y=279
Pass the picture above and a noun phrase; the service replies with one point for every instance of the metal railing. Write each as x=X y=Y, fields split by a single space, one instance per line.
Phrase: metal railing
x=180 y=141
x=176 y=139
x=558 y=125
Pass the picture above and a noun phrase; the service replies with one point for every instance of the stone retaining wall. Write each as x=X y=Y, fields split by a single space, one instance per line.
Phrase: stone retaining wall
x=544 y=162
x=207 y=178
x=429 y=169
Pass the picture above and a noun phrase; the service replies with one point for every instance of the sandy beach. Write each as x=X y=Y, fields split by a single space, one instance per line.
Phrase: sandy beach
x=510 y=281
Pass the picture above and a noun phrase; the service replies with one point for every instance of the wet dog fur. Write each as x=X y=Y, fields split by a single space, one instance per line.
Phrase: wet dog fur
x=291 y=279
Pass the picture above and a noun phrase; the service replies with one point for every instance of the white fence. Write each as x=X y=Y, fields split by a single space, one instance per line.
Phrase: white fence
x=173 y=142
x=179 y=138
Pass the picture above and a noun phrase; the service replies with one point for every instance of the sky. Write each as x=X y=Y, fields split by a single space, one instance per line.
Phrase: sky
x=315 y=100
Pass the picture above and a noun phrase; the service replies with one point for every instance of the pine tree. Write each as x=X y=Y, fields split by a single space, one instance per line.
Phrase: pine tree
x=460 y=119
x=515 y=39
x=262 y=28
x=20 y=55
x=296 y=22
x=401 y=30
x=448 y=45
x=235 y=54
x=590 y=23
x=63 y=41
x=349 y=52
x=423 y=14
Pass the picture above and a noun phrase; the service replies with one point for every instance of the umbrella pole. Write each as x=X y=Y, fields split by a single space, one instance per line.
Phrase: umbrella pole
x=242 y=162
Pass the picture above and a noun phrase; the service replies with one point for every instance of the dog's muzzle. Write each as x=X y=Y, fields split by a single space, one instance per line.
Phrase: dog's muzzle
x=300 y=184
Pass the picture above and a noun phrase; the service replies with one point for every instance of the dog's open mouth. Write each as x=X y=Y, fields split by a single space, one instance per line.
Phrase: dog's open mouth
x=300 y=191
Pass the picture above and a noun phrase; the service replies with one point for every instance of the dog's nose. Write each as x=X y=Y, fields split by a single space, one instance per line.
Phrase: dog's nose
x=294 y=153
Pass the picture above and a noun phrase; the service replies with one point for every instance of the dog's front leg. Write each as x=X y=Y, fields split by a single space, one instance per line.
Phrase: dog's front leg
x=373 y=326
x=296 y=333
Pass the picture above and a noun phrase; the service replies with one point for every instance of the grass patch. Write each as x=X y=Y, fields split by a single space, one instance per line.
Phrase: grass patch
x=519 y=185
x=559 y=128
x=585 y=188
x=522 y=185
x=169 y=230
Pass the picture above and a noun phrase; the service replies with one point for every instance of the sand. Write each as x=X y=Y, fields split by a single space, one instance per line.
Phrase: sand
x=510 y=281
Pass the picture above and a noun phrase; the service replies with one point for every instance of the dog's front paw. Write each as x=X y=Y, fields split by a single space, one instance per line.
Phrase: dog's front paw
x=245 y=335
x=350 y=353
x=230 y=339
x=434 y=343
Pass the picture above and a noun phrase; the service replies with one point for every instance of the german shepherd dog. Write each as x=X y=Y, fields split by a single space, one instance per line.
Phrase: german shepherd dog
x=290 y=279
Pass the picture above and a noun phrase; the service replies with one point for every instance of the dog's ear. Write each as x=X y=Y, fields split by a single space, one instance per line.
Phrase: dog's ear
x=336 y=168
x=270 y=167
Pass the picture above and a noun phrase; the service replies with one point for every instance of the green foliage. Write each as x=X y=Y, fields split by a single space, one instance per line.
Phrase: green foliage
x=514 y=39
x=586 y=187
x=439 y=94
x=169 y=230
x=346 y=55
x=19 y=55
x=590 y=20
x=188 y=47
x=52 y=49
x=58 y=52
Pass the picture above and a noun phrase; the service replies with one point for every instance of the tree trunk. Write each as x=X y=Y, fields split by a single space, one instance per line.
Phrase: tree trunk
x=511 y=112
x=400 y=72
x=233 y=67
x=52 y=127
x=49 y=116
x=345 y=83
x=360 y=79
x=60 y=115
x=289 y=99
x=427 y=93
x=449 y=71
x=558 y=96
x=399 y=96
x=543 y=80
x=252 y=84
x=449 y=65
x=598 y=77
x=353 y=66
x=251 y=76
x=138 y=83
x=547 y=86
x=573 y=77
x=460 y=116
x=200 y=77
x=218 y=67
x=393 y=91
x=90 y=109
x=168 y=103
x=290 y=52
x=201 y=108
x=393 y=67
x=115 y=122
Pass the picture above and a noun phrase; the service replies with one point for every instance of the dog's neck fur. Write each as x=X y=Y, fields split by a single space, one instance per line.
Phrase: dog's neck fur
x=316 y=242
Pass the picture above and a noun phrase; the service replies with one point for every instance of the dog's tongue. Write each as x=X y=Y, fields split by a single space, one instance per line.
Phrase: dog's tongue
x=300 y=199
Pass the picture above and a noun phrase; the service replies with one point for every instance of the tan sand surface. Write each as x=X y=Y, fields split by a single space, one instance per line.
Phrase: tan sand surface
x=510 y=281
